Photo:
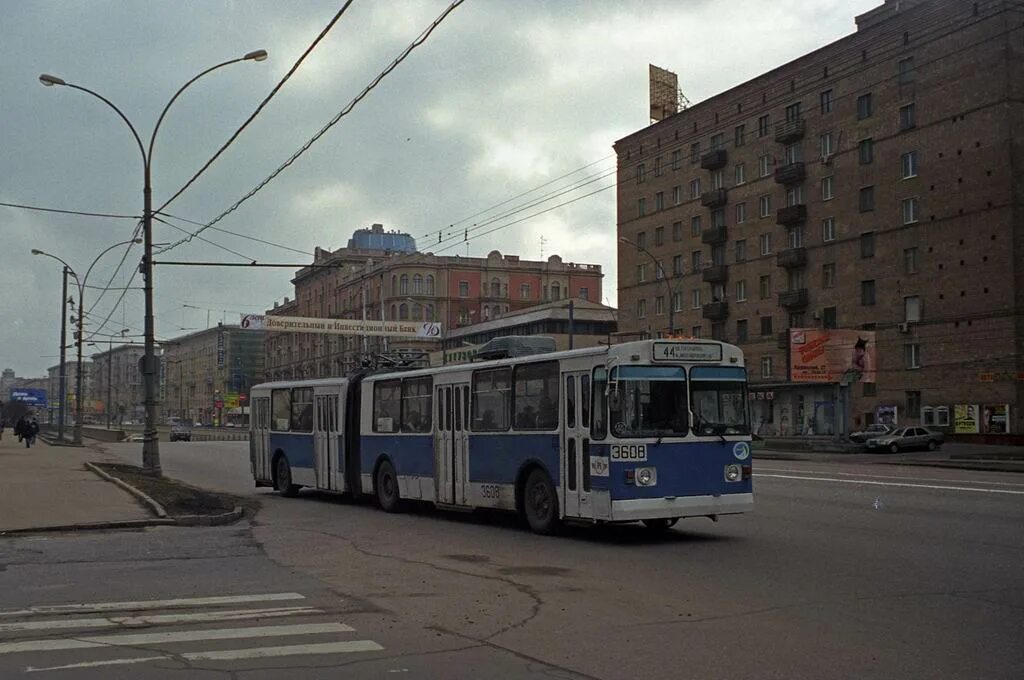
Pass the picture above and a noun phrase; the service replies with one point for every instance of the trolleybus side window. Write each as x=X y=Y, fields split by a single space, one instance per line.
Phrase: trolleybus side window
x=648 y=401
x=281 y=404
x=719 y=398
x=600 y=401
x=492 y=400
x=536 y=396
x=570 y=401
x=302 y=409
x=416 y=404
x=387 y=405
x=585 y=401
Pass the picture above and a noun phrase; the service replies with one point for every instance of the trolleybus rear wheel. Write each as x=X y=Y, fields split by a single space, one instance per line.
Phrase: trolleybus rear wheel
x=283 y=478
x=387 y=488
x=540 y=503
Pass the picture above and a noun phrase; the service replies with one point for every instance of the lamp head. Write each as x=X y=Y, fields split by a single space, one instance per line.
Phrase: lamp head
x=36 y=251
x=49 y=81
x=258 y=55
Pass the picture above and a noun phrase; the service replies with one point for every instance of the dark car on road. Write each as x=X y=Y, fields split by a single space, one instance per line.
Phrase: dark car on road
x=181 y=432
x=907 y=438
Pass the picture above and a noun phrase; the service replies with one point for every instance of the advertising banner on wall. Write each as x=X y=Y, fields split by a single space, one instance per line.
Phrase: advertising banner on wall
x=965 y=419
x=421 y=330
x=831 y=355
x=887 y=414
x=995 y=419
x=29 y=396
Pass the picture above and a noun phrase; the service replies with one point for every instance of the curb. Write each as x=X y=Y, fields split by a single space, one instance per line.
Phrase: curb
x=210 y=520
x=155 y=507
x=92 y=526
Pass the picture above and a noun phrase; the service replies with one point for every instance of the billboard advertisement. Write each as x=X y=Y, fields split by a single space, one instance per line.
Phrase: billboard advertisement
x=423 y=330
x=28 y=396
x=965 y=419
x=831 y=355
x=995 y=419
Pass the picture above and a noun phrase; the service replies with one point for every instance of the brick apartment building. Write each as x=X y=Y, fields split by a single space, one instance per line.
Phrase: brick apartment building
x=876 y=183
x=117 y=384
x=456 y=291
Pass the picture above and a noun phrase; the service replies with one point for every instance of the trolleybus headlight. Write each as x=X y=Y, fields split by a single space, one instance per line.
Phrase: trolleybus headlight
x=732 y=473
x=646 y=477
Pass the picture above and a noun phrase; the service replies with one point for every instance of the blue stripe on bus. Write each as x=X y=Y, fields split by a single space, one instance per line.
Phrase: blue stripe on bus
x=297 y=446
x=718 y=373
x=496 y=458
x=684 y=469
x=410 y=454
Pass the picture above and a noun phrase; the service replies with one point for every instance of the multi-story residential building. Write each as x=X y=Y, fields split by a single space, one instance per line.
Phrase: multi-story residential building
x=207 y=374
x=90 y=407
x=7 y=379
x=455 y=291
x=117 y=385
x=873 y=184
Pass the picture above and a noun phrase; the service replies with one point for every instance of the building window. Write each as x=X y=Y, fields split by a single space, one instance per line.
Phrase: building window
x=794 y=153
x=641 y=173
x=766 y=367
x=740 y=135
x=659 y=271
x=677 y=195
x=677 y=156
x=659 y=236
x=825 y=145
x=741 y=331
x=793 y=112
x=866 y=199
x=910 y=260
x=695 y=188
x=741 y=213
x=403 y=285
x=912 y=308
x=524 y=291
x=866 y=151
x=765 y=203
x=795 y=195
x=718 y=179
x=797 y=320
x=430 y=284
x=641 y=309
x=463 y=288
x=867 y=293
x=657 y=166
x=495 y=287
x=696 y=260
x=677 y=302
x=403 y=312
x=740 y=174
x=827 y=188
x=766 y=244
x=659 y=201
x=766 y=286
x=741 y=250
x=908 y=164
x=695 y=152
x=908 y=117
x=763 y=124
x=659 y=305
x=584 y=293
x=906 y=71
x=914 y=402
x=718 y=331
x=741 y=291
x=910 y=210
x=867 y=244
x=826 y=101
x=764 y=165
x=828 y=275
x=718 y=218
x=864 y=106
x=677 y=265
x=641 y=207
x=695 y=225
x=417 y=284
x=556 y=291
x=641 y=240
x=717 y=142
x=695 y=298
x=829 y=318
x=766 y=325
x=641 y=272
x=677 y=231
x=695 y=332
x=796 y=237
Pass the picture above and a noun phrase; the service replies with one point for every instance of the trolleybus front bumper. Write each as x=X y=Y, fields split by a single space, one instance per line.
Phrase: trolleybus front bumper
x=681 y=506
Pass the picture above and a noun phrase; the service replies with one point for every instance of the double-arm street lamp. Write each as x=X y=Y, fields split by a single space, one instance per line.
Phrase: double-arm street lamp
x=80 y=338
x=659 y=272
x=150 y=369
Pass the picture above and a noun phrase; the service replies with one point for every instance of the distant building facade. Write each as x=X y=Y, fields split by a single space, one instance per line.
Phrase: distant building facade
x=117 y=385
x=90 y=407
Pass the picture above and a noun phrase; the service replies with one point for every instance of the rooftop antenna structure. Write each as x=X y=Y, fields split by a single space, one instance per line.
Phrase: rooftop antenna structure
x=666 y=99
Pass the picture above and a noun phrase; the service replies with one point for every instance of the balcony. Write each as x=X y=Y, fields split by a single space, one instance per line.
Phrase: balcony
x=714 y=198
x=716 y=273
x=792 y=215
x=792 y=258
x=791 y=173
x=793 y=299
x=714 y=235
x=716 y=311
x=713 y=160
x=790 y=131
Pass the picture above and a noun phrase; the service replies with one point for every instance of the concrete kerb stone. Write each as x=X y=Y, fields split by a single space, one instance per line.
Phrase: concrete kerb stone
x=92 y=526
x=211 y=520
x=154 y=507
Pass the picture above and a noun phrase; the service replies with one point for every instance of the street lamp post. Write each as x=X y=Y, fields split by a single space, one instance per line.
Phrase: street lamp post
x=63 y=354
x=150 y=445
x=658 y=269
x=80 y=322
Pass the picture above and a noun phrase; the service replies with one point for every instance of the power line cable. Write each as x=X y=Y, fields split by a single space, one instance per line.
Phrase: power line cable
x=345 y=111
x=205 y=240
x=69 y=212
x=234 y=233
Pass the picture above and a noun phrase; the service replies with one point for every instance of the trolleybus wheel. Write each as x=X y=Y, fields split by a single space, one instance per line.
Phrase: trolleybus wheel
x=662 y=524
x=540 y=503
x=283 y=478
x=387 y=488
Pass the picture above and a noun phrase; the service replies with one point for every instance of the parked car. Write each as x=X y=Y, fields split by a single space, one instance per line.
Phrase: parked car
x=181 y=432
x=907 y=438
x=871 y=432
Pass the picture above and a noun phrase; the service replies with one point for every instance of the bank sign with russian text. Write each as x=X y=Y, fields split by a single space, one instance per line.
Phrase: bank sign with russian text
x=428 y=330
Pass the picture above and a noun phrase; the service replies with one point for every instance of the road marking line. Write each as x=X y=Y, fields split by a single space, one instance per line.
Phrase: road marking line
x=135 y=639
x=911 y=486
x=874 y=476
x=347 y=647
x=84 y=608
x=155 y=620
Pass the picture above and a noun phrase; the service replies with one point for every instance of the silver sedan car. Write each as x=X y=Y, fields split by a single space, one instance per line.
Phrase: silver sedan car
x=907 y=438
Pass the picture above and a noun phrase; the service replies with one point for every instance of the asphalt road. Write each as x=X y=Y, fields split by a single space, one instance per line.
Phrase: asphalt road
x=843 y=571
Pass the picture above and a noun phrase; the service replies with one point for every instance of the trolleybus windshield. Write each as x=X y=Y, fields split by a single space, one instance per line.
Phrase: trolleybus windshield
x=648 y=401
x=719 y=400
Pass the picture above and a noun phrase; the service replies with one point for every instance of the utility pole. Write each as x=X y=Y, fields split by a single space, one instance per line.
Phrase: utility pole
x=63 y=369
x=110 y=377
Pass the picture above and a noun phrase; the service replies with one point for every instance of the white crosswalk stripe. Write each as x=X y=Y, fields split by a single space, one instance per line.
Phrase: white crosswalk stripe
x=68 y=634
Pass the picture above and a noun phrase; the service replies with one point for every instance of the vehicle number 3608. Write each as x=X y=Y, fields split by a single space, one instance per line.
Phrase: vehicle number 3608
x=634 y=452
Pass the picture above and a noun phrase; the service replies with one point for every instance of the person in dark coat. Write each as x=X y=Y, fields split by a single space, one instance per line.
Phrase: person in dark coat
x=19 y=427
x=31 y=430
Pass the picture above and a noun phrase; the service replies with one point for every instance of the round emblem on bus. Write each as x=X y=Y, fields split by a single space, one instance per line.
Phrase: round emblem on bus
x=741 y=450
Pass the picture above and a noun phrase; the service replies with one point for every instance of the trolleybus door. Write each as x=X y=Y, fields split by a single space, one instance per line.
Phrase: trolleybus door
x=260 y=418
x=575 y=458
x=451 y=443
x=325 y=440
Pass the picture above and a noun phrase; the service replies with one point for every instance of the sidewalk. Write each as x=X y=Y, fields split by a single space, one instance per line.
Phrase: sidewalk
x=950 y=455
x=48 y=486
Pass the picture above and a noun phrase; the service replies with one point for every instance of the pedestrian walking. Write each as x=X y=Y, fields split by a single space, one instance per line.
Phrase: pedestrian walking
x=19 y=427
x=31 y=430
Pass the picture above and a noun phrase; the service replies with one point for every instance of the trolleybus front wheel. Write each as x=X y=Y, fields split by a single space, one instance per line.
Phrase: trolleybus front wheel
x=387 y=488
x=283 y=479
x=540 y=503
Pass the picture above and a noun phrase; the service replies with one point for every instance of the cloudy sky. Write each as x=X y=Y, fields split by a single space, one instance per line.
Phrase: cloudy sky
x=505 y=96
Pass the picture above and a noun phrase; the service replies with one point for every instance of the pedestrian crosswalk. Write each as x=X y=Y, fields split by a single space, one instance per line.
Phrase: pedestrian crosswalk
x=95 y=634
